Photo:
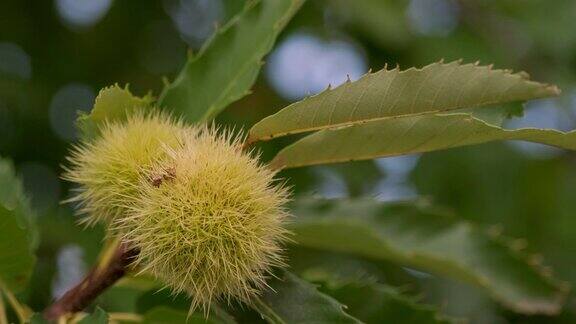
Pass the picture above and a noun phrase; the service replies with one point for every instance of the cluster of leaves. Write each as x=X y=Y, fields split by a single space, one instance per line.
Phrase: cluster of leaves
x=339 y=245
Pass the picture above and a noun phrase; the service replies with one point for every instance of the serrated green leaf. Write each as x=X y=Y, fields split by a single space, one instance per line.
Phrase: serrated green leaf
x=377 y=303
x=228 y=65
x=386 y=305
x=392 y=137
x=293 y=300
x=435 y=88
x=423 y=238
x=112 y=103
x=17 y=232
x=353 y=281
x=313 y=264
x=98 y=317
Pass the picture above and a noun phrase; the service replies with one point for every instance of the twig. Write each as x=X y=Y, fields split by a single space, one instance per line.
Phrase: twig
x=97 y=280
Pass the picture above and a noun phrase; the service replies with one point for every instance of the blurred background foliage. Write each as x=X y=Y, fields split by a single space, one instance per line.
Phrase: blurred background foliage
x=55 y=55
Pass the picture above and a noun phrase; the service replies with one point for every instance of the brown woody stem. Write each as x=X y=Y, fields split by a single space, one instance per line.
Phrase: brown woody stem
x=95 y=282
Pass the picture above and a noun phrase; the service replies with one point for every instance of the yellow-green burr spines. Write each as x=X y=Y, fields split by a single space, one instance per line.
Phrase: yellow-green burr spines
x=207 y=217
x=108 y=169
x=213 y=226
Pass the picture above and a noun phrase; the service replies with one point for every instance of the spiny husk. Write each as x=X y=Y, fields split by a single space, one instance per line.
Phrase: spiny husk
x=208 y=220
x=108 y=169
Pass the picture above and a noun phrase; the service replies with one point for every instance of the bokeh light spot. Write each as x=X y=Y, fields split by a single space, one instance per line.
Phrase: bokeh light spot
x=331 y=184
x=542 y=113
x=305 y=64
x=396 y=184
x=194 y=19
x=82 y=13
x=70 y=269
x=14 y=61
x=64 y=108
x=433 y=17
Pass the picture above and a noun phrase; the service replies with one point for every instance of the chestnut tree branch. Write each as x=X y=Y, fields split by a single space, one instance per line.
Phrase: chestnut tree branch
x=96 y=281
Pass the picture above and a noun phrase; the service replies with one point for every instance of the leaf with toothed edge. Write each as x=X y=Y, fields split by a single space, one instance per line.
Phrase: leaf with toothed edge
x=418 y=236
x=386 y=304
x=113 y=103
x=228 y=64
x=293 y=300
x=438 y=87
x=352 y=280
x=399 y=136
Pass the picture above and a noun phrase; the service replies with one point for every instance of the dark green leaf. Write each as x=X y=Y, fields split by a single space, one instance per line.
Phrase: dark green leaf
x=388 y=94
x=112 y=103
x=427 y=239
x=293 y=300
x=353 y=281
x=228 y=65
x=398 y=136
x=309 y=263
x=377 y=303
